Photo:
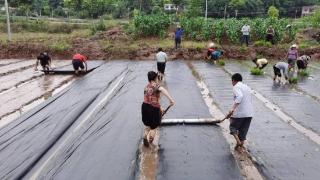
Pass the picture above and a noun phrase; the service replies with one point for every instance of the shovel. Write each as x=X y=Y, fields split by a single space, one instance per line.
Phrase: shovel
x=165 y=111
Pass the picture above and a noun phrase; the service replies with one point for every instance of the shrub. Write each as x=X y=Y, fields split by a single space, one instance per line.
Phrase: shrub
x=151 y=25
x=59 y=46
x=99 y=26
x=262 y=43
x=304 y=73
x=256 y=71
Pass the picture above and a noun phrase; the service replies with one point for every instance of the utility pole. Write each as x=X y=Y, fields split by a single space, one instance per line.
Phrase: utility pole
x=206 y=15
x=8 y=19
x=225 y=11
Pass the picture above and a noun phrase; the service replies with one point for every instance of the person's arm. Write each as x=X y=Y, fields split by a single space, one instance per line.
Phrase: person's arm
x=238 y=98
x=166 y=93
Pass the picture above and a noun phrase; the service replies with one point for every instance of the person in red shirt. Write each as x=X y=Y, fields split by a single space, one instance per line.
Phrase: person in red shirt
x=151 y=108
x=79 y=61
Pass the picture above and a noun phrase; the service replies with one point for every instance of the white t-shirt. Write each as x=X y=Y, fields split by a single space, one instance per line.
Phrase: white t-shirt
x=161 y=57
x=245 y=29
x=242 y=96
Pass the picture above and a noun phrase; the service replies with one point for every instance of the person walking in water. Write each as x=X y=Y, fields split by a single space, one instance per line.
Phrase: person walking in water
x=79 y=62
x=151 y=109
x=177 y=36
x=292 y=56
x=161 y=58
x=241 y=112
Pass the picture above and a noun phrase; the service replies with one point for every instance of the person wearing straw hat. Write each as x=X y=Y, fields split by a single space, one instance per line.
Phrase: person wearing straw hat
x=151 y=109
x=292 y=56
x=177 y=36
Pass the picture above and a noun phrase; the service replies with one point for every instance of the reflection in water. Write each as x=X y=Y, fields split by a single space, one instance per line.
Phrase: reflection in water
x=45 y=84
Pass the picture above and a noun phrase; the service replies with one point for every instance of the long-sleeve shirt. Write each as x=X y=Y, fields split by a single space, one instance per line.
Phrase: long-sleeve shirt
x=284 y=67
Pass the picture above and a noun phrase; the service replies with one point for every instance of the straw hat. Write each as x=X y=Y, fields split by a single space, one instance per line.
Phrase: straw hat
x=294 y=46
x=211 y=45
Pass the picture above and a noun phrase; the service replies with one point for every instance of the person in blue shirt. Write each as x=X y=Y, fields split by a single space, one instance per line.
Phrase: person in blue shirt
x=177 y=36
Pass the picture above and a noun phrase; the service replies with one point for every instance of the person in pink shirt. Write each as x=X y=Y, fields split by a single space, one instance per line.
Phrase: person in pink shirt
x=292 y=56
x=79 y=62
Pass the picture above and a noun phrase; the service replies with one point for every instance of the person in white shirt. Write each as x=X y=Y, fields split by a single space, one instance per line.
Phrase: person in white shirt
x=161 y=58
x=241 y=112
x=260 y=63
x=245 y=34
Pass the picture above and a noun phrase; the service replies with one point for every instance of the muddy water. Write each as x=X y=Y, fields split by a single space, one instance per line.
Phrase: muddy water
x=16 y=98
x=15 y=79
x=280 y=151
x=15 y=67
x=4 y=62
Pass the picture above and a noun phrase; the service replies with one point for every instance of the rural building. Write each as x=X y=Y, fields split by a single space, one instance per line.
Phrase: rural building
x=170 y=7
x=307 y=10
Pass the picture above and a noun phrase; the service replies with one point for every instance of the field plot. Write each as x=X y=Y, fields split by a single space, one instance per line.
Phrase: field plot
x=91 y=128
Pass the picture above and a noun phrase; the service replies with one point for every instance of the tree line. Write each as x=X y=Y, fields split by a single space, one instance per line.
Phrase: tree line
x=125 y=8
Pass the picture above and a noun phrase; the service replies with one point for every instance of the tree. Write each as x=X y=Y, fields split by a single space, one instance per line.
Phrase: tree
x=194 y=8
x=273 y=12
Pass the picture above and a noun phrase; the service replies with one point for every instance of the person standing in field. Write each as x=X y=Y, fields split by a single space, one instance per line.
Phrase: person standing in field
x=292 y=56
x=241 y=112
x=177 y=36
x=245 y=34
x=151 y=109
x=270 y=34
x=161 y=58
x=79 y=61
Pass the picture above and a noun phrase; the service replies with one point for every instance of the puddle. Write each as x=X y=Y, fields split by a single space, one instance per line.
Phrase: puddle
x=14 y=115
x=15 y=67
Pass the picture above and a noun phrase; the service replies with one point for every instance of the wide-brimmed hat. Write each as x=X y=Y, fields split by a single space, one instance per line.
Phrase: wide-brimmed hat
x=294 y=46
x=211 y=45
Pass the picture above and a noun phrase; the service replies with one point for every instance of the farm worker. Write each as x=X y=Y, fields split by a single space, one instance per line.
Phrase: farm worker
x=151 y=108
x=245 y=34
x=260 y=63
x=177 y=36
x=302 y=62
x=79 y=61
x=281 y=68
x=45 y=61
x=213 y=53
x=161 y=58
x=241 y=112
x=292 y=55
x=270 y=34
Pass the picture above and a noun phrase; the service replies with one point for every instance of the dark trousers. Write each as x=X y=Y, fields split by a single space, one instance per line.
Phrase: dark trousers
x=245 y=39
x=240 y=127
x=177 y=42
x=269 y=38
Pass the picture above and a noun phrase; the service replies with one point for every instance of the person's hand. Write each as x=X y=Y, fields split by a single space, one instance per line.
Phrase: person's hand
x=230 y=114
x=171 y=102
